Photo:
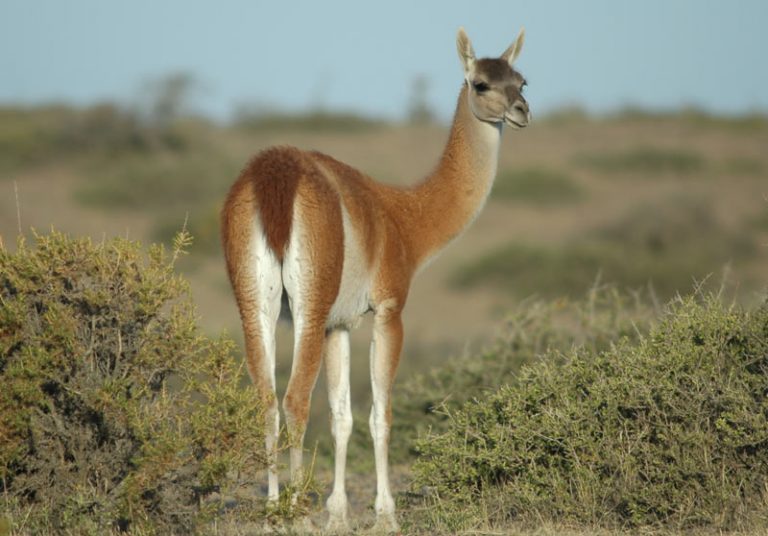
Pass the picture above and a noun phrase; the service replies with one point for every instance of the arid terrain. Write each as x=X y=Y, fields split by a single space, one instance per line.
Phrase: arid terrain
x=658 y=202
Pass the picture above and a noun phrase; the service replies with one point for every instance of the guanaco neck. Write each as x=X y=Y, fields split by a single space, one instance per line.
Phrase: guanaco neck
x=451 y=197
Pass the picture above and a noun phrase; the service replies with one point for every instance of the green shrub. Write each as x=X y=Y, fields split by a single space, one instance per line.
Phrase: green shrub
x=668 y=246
x=692 y=116
x=646 y=160
x=538 y=186
x=167 y=181
x=760 y=221
x=318 y=120
x=670 y=430
x=202 y=222
x=115 y=413
x=744 y=166
x=33 y=136
x=533 y=327
x=568 y=115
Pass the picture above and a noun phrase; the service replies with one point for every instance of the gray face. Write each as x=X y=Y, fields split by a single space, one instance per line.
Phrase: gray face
x=496 y=93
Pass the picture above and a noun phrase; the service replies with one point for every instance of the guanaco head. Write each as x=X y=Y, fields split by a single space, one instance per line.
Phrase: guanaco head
x=495 y=87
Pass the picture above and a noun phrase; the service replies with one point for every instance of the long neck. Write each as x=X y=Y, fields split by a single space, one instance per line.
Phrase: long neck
x=451 y=197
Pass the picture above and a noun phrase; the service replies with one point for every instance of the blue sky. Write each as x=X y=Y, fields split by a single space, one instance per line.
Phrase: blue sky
x=363 y=56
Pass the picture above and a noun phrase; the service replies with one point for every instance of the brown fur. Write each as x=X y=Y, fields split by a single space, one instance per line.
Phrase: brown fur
x=358 y=193
x=494 y=70
x=320 y=207
x=300 y=198
x=402 y=227
x=236 y=230
x=274 y=176
x=437 y=210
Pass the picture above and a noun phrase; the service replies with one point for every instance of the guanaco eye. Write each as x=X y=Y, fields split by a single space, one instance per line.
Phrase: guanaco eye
x=481 y=87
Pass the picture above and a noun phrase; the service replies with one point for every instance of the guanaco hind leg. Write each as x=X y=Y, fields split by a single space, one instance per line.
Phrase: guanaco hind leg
x=337 y=372
x=257 y=278
x=311 y=276
x=385 y=355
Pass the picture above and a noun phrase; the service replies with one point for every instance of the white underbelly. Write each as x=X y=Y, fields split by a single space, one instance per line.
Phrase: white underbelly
x=349 y=308
x=353 y=299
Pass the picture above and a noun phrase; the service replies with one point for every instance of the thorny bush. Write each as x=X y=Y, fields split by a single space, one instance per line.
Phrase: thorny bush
x=115 y=412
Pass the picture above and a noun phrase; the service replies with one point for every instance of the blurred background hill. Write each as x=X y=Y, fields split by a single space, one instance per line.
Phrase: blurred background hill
x=645 y=166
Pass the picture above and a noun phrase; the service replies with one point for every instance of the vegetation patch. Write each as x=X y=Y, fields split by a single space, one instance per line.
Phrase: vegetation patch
x=115 y=413
x=35 y=136
x=202 y=223
x=668 y=246
x=760 y=221
x=571 y=114
x=319 y=120
x=694 y=117
x=533 y=327
x=744 y=166
x=536 y=186
x=668 y=430
x=163 y=181
x=648 y=161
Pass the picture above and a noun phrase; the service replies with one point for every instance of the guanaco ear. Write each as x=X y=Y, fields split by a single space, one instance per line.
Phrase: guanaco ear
x=514 y=49
x=466 y=52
